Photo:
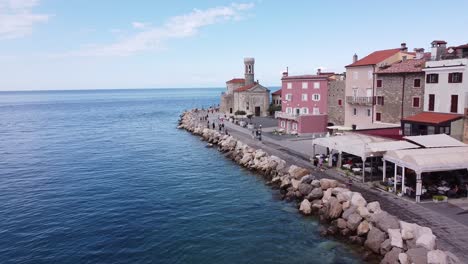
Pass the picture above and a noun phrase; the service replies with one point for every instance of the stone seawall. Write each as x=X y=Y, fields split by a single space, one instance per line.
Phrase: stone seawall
x=344 y=213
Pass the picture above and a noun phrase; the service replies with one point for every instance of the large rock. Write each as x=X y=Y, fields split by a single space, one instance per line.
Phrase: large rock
x=403 y=258
x=304 y=188
x=358 y=200
x=391 y=257
x=346 y=205
x=426 y=241
x=307 y=179
x=328 y=183
x=417 y=255
x=344 y=196
x=259 y=154
x=326 y=195
x=316 y=193
x=375 y=237
x=334 y=208
x=385 y=247
x=305 y=207
x=337 y=190
x=295 y=183
x=385 y=221
x=341 y=223
x=395 y=238
x=374 y=207
x=353 y=221
x=407 y=230
x=351 y=210
x=436 y=257
x=315 y=183
x=317 y=205
x=363 y=212
x=285 y=183
x=297 y=172
x=246 y=158
x=363 y=228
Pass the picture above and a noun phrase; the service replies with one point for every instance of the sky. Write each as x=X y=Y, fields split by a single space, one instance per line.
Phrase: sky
x=114 y=44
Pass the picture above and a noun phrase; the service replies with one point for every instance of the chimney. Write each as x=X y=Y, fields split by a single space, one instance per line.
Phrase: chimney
x=403 y=47
x=285 y=74
x=355 y=58
x=438 y=49
x=419 y=53
x=319 y=71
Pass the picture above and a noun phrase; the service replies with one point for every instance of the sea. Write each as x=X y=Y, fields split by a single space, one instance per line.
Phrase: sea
x=104 y=176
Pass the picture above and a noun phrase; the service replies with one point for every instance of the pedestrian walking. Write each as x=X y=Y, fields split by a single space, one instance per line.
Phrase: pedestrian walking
x=213 y=125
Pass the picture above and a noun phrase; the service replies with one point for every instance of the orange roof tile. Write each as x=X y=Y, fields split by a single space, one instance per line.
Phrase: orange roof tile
x=245 y=88
x=375 y=57
x=236 y=80
x=277 y=92
x=432 y=117
x=404 y=66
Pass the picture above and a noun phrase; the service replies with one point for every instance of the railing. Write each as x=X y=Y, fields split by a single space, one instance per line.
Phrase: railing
x=360 y=100
x=280 y=114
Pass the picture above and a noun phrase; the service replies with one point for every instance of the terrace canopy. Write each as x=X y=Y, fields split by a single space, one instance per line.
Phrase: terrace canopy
x=435 y=141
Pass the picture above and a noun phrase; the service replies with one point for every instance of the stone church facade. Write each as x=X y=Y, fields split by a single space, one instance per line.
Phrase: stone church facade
x=246 y=94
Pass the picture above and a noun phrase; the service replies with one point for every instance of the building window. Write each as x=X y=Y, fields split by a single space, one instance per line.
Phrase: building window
x=430 y=130
x=455 y=77
x=355 y=75
x=445 y=130
x=431 y=102
x=407 y=129
x=283 y=124
x=368 y=112
x=316 y=85
x=340 y=102
x=378 y=116
x=289 y=110
x=315 y=111
x=247 y=106
x=379 y=83
x=432 y=78
x=454 y=103
x=417 y=83
x=304 y=97
x=288 y=97
x=380 y=100
x=305 y=85
x=305 y=110
x=294 y=126
x=416 y=102
x=316 y=97
x=289 y=85
x=354 y=111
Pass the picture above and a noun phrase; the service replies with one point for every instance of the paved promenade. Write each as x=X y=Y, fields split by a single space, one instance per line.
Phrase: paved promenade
x=452 y=232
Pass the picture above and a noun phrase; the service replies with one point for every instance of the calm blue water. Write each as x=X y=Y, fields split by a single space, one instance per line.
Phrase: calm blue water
x=104 y=177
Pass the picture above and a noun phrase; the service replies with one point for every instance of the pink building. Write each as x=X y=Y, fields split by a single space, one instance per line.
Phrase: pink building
x=304 y=104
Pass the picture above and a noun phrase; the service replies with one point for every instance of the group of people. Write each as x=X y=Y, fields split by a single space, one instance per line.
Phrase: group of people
x=257 y=133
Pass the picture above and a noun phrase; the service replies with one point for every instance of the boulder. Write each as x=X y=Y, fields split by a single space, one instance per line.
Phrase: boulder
x=315 y=183
x=358 y=200
x=326 y=195
x=374 y=207
x=295 y=183
x=349 y=211
x=346 y=205
x=305 y=207
x=259 y=154
x=341 y=223
x=417 y=255
x=375 y=237
x=452 y=259
x=307 y=179
x=246 y=158
x=395 y=238
x=353 y=221
x=385 y=221
x=328 y=183
x=317 y=205
x=345 y=232
x=344 y=196
x=392 y=256
x=285 y=183
x=337 y=190
x=403 y=258
x=385 y=247
x=426 y=241
x=436 y=257
x=357 y=240
x=316 y=193
x=297 y=172
x=363 y=228
x=410 y=243
x=304 y=188
x=363 y=212
x=407 y=230
x=334 y=208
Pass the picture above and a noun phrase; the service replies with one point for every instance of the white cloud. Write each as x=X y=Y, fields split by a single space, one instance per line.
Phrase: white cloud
x=153 y=38
x=140 y=25
x=17 y=18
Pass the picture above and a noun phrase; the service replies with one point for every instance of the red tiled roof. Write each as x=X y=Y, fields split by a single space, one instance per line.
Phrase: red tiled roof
x=464 y=46
x=236 y=80
x=375 y=57
x=432 y=117
x=404 y=66
x=245 y=88
x=327 y=73
x=305 y=76
x=277 y=92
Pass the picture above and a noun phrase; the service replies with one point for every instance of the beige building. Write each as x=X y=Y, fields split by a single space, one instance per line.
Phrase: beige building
x=361 y=82
x=245 y=94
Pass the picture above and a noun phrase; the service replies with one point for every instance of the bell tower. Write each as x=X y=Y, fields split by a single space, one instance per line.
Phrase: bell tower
x=249 y=71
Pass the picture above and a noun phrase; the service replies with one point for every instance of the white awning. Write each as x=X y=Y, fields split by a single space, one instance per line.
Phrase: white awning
x=390 y=145
x=430 y=159
x=343 y=128
x=435 y=141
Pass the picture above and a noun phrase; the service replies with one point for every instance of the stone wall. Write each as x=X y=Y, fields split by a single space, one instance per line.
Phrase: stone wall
x=392 y=92
x=227 y=102
x=247 y=101
x=336 y=91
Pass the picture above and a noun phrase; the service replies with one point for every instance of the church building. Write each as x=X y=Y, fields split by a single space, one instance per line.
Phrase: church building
x=246 y=94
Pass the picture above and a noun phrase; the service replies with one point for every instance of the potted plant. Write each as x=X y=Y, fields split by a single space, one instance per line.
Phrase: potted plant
x=439 y=198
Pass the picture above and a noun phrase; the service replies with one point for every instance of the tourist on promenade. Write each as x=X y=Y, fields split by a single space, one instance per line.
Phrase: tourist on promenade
x=253 y=133
x=213 y=125
x=320 y=162
x=208 y=124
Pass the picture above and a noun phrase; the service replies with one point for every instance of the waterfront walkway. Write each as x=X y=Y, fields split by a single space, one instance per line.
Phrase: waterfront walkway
x=451 y=230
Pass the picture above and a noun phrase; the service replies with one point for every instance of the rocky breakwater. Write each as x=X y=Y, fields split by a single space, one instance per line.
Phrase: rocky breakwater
x=344 y=213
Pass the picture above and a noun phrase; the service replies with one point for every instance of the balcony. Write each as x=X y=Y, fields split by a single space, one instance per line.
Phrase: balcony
x=359 y=100
x=284 y=115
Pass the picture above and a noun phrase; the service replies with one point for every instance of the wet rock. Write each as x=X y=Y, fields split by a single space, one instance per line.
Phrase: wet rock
x=345 y=232
x=353 y=221
x=332 y=230
x=391 y=257
x=334 y=208
x=323 y=231
x=375 y=237
x=328 y=183
x=357 y=240
x=305 y=207
x=285 y=183
x=417 y=255
x=317 y=205
x=304 y=188
x=363 y=228
x=341 y=223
